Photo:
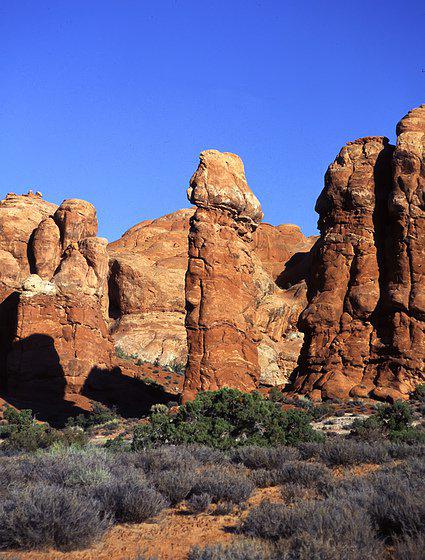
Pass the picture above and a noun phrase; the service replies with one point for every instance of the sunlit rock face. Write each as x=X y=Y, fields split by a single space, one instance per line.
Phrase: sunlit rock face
x=364 y=323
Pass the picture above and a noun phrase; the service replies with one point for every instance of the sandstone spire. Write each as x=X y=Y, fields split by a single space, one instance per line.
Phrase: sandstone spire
x=220 y=291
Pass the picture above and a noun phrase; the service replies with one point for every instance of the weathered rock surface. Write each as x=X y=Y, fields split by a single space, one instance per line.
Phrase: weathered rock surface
x=220 y=289
x=260 y=299
x=146 y=289
x=19 y=217
x=364 y=324
x=398 y=352
x=60 y=340
x=59 y=331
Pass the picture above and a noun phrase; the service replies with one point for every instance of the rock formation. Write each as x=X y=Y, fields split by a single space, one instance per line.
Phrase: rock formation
x=19 y=217
x=343 y=316
x=364 y=324
x=220 y=289
x=60 y=333
x=146 y=290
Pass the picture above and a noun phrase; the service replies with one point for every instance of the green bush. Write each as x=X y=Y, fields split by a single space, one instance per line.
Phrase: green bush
x=275 y=394
x=23 y=433
x=419 y=392
x=395 y=417
x=409 y=435
x=99 y=415
x=392 y=421
x=224 y=419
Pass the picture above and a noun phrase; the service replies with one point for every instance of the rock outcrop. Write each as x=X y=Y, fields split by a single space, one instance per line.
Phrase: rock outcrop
x=60 y=332
x=146 y=290
x=19 y=217
x=364 y=324
x=220 y=289
x=248 y=304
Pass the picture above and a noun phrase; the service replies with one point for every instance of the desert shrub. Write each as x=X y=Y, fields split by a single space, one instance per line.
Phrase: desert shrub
x=309 y=475
x=117 y=444
x=207 y=455
x=17 y=470
x=368 y=429
x=129 y=501
x=306 y=547
x=348 y=452
x=309 y=450
x=319 y=411
x=397 y=510
x=410 y=548
x=224 y=485
x=275 y=394
x=24 y=433
x=356 y=490
x=268 y=521
x=175 y=484
x=331 y=521
x=100 y=414
x=198 y=503
x=177 y=367
x=409 y=435
x=73 y=468
x=404 y=450
x=255 y=457
x=223 y=507
x=167 y=457
x=224 y=419
x=294 y=492
x=43 y=516
x=264 y=478
x=390 y=420
x=396 y=416
x=238 y=550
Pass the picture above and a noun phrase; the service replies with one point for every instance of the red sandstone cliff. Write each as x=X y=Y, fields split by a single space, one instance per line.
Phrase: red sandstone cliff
x=358 y=330
x=364 y=324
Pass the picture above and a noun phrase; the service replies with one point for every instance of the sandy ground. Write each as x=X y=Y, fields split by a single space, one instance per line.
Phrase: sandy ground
x=170 y=537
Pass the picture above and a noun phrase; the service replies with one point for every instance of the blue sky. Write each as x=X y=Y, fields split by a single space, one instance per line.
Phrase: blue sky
x=112 y=100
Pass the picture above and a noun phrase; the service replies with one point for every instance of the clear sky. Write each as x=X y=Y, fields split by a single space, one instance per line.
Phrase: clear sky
x=112 y=100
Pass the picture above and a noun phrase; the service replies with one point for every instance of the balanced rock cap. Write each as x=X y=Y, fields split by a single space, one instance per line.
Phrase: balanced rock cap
x=220 y=182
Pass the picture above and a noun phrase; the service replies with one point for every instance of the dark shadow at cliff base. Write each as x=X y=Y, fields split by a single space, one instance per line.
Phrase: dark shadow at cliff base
x=132 y=397
x=36 y=380
x=8 y=321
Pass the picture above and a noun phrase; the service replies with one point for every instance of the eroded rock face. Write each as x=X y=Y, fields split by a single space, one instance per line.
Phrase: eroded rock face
x=220 y=289
x=19 y=217
x=146 y=289
x=400 y=336
x=76 y=219
x=58 y=330
x=60 y=340
x=364 y=324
